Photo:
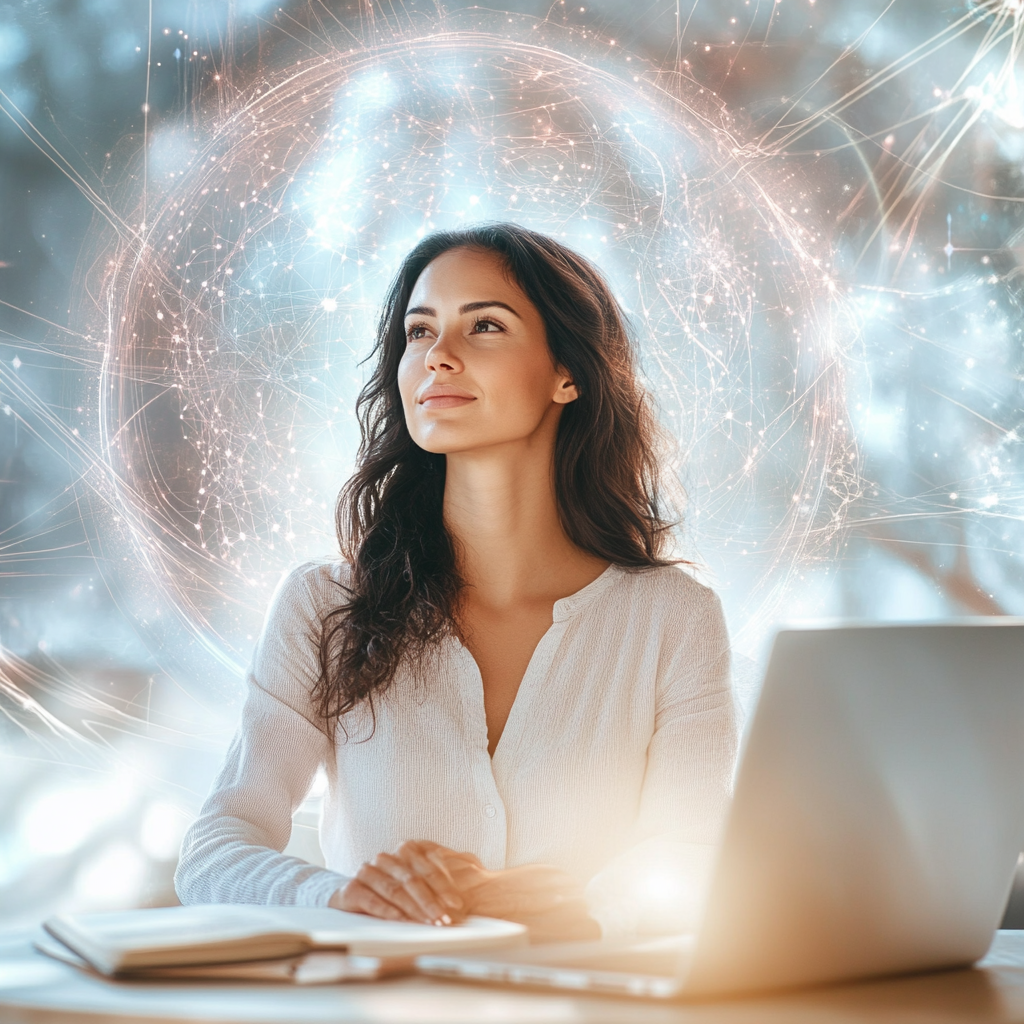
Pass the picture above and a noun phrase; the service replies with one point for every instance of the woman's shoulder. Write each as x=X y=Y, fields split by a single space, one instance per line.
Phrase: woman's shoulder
x=669 y=586
x=315 y=575
x=673 y=604
x=683 y=617
x=308 y=590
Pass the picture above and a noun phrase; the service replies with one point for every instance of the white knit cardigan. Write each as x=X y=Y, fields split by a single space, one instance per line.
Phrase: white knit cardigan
x=615 y=763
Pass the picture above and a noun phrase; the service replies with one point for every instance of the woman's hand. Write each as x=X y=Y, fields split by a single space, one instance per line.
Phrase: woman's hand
x=411 y=884
x=429 y=883
x=548 y=901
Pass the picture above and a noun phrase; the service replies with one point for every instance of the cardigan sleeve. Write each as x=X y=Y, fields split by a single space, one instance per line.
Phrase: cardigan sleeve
x=233 y=852
x=658 y=884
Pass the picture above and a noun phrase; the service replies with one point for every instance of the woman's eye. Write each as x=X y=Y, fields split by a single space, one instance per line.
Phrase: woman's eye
x=485 y=326
x=416 y=332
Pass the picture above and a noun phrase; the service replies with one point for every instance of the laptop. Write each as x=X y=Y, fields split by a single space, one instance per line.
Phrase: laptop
x=875 y=827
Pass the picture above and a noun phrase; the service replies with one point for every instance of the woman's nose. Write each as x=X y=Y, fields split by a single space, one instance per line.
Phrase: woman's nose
x=441 y=355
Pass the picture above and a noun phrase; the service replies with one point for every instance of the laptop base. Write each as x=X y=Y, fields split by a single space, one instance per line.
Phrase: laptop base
x=651 y=969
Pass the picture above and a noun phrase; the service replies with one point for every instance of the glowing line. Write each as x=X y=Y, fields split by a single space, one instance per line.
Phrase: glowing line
x=880 y=78
x=145 y=122
x=53 y=155
x=967 y=408
x=850 y=49
x=41 y=319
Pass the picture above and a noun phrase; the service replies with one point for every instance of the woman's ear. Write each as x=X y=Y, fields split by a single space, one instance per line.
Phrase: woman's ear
x=566 y=392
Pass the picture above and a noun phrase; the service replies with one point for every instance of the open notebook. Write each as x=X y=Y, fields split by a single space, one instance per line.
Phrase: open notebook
x=150 y=942
x=321 y=967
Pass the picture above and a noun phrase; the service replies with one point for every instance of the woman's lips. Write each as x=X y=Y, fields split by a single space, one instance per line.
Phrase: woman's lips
x=446 y=401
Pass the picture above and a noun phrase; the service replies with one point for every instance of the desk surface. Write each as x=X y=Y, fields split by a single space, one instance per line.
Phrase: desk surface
x=37 y=990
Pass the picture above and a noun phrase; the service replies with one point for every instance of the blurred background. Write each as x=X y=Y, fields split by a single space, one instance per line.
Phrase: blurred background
x=810 y=209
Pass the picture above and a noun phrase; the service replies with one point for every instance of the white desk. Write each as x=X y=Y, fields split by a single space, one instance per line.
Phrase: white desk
x=37 y=990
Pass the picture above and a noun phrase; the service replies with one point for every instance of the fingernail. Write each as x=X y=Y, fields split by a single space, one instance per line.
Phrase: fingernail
x=446 y=919
x=438 y=923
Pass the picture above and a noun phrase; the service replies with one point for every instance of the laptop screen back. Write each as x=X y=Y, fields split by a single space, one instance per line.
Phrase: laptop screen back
x=878 y=811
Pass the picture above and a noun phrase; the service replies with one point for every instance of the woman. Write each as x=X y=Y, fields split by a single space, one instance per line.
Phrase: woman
x=521 y=706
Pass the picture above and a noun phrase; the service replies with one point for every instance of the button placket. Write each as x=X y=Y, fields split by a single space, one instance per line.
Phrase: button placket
x=492 y=809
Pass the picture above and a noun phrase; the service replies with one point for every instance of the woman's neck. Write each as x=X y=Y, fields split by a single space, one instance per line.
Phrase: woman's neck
x=502 y=511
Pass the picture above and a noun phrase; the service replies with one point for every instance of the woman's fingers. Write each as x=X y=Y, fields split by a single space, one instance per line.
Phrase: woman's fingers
x=376 y=892
x=411 y=890
x=464 y=869
x=429 y=865
x=377 y=877
x=358 y=898
x=424 y=881
x=455 y=868
x=443 y=852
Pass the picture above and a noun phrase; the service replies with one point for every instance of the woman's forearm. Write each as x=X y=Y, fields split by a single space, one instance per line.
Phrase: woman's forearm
x=226 y=860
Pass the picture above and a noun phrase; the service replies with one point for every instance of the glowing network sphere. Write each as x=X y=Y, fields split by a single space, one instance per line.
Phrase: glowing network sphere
x=241 y=310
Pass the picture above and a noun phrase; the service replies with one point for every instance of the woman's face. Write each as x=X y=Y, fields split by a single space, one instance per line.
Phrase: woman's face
x=477 y=371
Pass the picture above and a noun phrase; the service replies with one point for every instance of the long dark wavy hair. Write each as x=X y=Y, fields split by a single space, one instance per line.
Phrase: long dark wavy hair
x=403 y=596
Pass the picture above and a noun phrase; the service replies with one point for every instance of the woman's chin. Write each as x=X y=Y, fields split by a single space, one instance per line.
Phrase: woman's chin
x=436 y=447
x=459 y=442
x=445 y=442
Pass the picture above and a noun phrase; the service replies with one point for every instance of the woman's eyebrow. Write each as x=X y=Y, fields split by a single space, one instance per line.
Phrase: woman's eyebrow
x=469 y=307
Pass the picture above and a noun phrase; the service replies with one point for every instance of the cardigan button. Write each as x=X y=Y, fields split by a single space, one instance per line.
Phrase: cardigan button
x=490 y=810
